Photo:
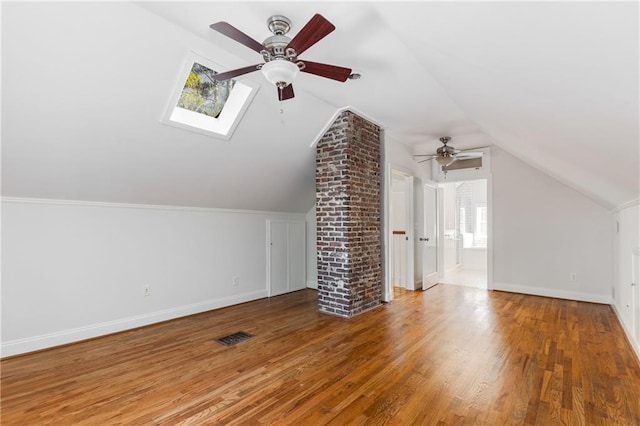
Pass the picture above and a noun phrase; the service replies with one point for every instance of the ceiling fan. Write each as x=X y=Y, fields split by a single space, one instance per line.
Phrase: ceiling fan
x=280 y=53
x=445 y=155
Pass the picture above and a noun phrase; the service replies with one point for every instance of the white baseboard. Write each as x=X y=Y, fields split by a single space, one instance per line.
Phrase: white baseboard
x=634 y=344
x=312 y=284
x=552 y=292
x=30 y=344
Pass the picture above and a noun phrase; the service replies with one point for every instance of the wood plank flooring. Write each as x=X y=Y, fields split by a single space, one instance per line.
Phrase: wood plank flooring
x=449 y=355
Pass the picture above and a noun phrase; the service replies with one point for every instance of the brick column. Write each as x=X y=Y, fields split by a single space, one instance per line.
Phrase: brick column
x=348 y=200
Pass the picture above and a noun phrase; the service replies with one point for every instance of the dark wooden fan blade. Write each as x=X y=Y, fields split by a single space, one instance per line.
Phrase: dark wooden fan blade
x=315 y=30
x=234 y=33
x=286 y=93
x=234 y=73
x=325 y=70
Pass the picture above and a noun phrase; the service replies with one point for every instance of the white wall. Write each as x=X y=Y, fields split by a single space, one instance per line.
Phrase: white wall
x=76 y=270
x=543 y=231
x=479 y=191
x=399 y=156
x=626 y=228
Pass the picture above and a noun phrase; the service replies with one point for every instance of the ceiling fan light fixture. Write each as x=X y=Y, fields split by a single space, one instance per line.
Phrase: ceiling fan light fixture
x=444 y=161
x=280 y=72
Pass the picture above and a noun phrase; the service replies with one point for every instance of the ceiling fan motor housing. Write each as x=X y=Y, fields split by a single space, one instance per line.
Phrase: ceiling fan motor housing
x=445 y=151
x=276 y=45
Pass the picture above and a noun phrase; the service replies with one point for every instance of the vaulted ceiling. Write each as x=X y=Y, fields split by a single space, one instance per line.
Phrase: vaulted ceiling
x=84 y=86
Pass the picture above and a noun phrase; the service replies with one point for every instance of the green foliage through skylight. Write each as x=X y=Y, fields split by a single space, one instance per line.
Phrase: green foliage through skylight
x=203 y=94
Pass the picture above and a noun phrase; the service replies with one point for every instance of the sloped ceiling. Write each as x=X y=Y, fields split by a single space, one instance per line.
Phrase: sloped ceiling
x=84 y=86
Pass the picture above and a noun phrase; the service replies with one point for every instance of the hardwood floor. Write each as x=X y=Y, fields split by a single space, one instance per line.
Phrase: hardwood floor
x=450 y=355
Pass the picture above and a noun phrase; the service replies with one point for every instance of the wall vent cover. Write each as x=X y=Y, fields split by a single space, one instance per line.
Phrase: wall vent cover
x=234 y=338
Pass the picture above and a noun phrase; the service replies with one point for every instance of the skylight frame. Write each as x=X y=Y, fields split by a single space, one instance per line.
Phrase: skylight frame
x=234 y=109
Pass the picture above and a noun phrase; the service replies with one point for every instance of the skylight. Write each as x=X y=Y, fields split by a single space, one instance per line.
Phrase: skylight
x=202 y=94
x=203 y=105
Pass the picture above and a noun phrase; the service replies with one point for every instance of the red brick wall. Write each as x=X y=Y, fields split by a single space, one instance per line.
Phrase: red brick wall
x=348 y=202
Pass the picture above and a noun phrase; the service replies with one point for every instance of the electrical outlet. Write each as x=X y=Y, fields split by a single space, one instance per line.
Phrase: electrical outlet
x=236 y=281
x=573 y=276
x=146 y=290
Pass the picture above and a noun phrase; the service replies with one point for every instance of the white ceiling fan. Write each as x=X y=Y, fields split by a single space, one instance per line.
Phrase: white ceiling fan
x=446 y=155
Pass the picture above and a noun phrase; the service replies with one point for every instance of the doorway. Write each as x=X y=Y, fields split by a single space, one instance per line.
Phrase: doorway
x=464 y=230
x=411 y=233
x=399 y=235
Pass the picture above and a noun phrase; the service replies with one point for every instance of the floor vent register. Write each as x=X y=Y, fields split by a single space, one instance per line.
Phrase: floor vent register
x=234 y=338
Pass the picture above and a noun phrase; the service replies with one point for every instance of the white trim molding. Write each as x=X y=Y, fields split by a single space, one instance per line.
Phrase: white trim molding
x=552 y=292
x=634 y=344
x=336 y=115
x=84 y=203
x=30 y=344
x=630 y=203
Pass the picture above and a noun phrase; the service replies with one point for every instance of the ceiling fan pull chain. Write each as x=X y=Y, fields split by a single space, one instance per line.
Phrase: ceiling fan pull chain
x=281 y=106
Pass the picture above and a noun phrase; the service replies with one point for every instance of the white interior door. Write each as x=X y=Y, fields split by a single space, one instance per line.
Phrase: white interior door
x=429 y=237
x=296 y=256
x=286 y=257
x=278 y=258
x=414 y=230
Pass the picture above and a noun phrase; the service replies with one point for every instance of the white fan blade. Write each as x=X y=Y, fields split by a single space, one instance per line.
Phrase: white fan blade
x=472 y=149
x=466 y=155
x=427 y=159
